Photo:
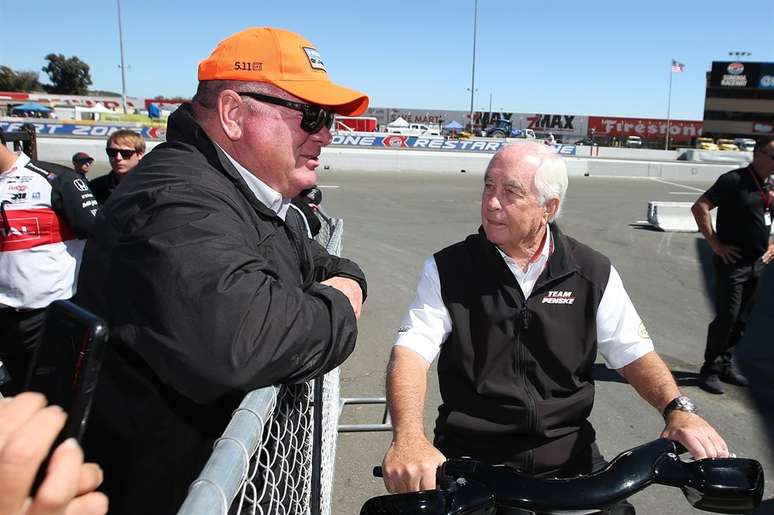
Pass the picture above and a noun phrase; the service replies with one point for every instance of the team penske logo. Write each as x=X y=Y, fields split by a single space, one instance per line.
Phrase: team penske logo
x=559 y=297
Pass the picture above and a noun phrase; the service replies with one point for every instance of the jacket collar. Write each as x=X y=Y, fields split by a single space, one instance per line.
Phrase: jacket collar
x=183 y=127
x=560 y=262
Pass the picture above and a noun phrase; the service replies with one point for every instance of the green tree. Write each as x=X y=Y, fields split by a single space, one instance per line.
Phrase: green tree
x=69 y=76
x=11 y=80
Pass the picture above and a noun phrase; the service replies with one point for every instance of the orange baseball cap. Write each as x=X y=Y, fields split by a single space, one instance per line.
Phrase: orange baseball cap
x=282 y=58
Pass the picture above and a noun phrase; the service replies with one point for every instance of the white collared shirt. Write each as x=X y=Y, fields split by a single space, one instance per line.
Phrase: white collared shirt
x=265 y=194
x=535 y=267
x=621 y=335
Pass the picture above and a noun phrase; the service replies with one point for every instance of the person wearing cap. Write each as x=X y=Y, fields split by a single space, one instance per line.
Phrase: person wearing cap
x=124 y=149
x=208 y=293
x=82 y=163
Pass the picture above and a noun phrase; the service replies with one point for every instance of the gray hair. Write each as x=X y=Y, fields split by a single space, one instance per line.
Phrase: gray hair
x=551 y=181
x=206 y=96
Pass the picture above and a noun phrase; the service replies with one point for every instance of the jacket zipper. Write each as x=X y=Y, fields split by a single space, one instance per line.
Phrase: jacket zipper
x=521 y=370
x=529 y=457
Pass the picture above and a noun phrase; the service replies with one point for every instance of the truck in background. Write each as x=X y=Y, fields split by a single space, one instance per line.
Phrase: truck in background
x=504 y=129
x=355 y=124
x=414 y=129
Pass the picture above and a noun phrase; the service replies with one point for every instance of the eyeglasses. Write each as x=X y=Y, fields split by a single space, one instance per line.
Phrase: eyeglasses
x=125 y=153
x=314 y=119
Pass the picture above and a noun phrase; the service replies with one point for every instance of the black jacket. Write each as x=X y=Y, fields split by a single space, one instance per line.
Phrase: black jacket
x=208 y=294
x=515 y=374
x=103 y=186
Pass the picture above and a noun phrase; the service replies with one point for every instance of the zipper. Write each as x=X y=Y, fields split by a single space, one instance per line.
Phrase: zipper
x=521 y=367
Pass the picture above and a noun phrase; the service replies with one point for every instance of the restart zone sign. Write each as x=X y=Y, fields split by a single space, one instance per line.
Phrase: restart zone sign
x=399 y=142
x=78 y=130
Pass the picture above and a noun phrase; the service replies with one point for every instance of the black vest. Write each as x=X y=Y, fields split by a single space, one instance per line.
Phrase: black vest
x=516 y=374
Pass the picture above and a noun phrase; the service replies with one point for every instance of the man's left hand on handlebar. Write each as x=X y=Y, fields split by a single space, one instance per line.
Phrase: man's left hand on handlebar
x=695 y=434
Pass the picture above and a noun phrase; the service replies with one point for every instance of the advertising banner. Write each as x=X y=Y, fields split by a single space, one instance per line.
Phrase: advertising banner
x=646 y=128
x=399 y=142
x=735 y=74
x=51 y=99
x=766 y=80
x=82 y=130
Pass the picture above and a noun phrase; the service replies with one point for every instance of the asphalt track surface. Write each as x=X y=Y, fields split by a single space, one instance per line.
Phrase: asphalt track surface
x=394 y=221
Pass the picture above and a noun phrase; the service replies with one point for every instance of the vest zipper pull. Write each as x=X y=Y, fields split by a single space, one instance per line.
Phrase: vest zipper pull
x=524 y=318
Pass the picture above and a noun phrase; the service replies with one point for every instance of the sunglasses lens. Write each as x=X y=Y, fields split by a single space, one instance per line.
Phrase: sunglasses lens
x=315 y=118
x=113 y=152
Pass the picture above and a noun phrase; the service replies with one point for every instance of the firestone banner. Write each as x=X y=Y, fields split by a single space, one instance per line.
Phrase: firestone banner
x=646 y=128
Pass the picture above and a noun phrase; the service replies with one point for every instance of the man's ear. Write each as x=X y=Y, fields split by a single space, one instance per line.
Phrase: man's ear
x=231 y=113
x=551 y=208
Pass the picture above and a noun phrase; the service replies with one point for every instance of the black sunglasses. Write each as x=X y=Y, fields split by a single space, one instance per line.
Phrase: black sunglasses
x=125 y=153
x=314 y=119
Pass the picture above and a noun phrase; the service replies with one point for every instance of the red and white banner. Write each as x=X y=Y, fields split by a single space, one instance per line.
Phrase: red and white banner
x=646 y=128
x=70 y=100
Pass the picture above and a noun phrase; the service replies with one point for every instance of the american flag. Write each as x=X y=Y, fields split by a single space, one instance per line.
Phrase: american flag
x=677 y=67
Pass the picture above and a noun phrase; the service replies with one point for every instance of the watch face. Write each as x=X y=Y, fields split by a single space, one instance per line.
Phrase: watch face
x=685 y=404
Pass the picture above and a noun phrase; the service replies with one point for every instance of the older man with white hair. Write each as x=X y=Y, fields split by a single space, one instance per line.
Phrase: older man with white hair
x=516 y=314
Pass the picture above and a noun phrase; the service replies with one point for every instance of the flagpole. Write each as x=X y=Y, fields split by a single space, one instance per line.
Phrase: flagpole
x=669 y=105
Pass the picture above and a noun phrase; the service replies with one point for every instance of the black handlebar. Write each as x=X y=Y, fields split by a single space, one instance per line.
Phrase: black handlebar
x=724 y=485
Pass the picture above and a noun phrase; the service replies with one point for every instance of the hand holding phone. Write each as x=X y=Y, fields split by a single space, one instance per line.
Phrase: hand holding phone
x=27 y=431
x=65 y=367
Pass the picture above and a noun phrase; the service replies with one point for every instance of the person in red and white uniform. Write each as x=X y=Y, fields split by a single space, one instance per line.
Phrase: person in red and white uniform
x=46 y=213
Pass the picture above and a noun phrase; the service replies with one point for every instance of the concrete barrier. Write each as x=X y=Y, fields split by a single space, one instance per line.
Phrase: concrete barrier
x=716 y=156
x=674 y=216
x=354 y=159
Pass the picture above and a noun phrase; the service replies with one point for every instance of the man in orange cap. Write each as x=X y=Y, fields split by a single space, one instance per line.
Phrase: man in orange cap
x=207 y=292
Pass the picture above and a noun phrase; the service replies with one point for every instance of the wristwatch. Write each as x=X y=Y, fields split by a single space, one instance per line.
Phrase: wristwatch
x=681 y=403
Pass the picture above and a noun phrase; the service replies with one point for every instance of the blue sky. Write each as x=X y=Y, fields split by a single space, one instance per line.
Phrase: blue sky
x=574 y=57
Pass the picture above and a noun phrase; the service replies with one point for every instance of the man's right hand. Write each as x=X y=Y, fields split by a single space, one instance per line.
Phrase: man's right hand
x=410 y=466
x=351 y=289
x=728 y=253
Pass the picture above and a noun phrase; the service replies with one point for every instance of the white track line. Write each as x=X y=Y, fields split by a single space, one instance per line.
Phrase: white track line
x=327 y=186
x=677 y=184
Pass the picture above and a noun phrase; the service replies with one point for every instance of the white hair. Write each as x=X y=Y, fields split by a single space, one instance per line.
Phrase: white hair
x=551 y=181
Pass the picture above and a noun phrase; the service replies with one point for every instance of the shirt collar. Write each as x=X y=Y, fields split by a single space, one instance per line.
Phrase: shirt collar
x=21 y=161
x=545 y=251
x=265 y=194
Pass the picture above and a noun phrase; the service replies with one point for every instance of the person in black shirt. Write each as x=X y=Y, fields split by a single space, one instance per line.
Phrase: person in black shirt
x=124 y=149
x=742 y=247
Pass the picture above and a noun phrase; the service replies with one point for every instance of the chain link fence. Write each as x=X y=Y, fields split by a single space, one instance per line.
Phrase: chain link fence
x=276 y=456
